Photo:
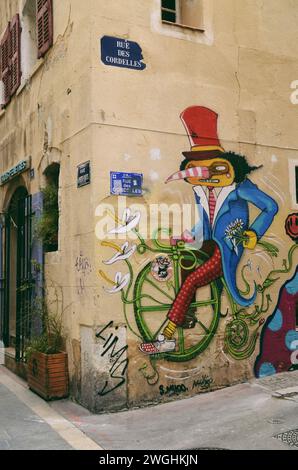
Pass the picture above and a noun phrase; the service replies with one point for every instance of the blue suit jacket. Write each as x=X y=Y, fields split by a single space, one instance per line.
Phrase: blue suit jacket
x=235 y=207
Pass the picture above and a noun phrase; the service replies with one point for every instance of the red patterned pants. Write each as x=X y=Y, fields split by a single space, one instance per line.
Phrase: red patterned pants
x=202 y=276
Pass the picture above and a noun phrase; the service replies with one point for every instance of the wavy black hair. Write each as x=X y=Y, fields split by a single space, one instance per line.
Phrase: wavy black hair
x=238 y=162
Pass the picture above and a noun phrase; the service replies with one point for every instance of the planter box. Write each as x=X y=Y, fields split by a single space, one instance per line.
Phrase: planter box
x=47 y=375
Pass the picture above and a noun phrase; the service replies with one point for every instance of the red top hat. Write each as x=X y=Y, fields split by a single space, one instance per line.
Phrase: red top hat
x=201 y=127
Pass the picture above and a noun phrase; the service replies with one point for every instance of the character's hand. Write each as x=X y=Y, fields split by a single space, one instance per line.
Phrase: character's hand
x=187 y=237
x=251 y=241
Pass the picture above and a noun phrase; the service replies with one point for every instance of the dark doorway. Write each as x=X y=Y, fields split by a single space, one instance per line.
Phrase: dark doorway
x=15 y=273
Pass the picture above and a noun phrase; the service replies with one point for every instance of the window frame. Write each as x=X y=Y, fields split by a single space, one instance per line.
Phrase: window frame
x=11 y=43
x=176 y=11
x=11 y=40
x=29 y=60
x=179 y=17
x=5 y=72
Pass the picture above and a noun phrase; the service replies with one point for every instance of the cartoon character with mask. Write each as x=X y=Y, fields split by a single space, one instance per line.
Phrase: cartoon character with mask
x=223 y=193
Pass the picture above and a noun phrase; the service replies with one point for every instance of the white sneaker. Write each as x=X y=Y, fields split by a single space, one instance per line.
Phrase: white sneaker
x=162 y=345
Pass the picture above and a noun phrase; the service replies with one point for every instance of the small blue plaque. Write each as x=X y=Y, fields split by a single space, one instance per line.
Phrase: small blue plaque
x=119 y=52
x=126 y=184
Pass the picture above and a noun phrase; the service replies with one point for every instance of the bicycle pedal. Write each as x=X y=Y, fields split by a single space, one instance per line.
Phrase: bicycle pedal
x=189 y=324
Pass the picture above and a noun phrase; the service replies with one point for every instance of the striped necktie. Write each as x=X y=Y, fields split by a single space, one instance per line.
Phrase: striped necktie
x=212 y=203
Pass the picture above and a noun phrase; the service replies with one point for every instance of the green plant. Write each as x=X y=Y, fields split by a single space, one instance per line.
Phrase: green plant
x=51 y=340
x=47 y=225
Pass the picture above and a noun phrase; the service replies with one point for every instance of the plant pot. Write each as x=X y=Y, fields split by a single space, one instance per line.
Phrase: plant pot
x=47 y=375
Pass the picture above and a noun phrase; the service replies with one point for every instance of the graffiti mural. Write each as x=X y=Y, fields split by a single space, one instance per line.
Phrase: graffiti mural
x=279 y=340
x=176 y=296
x=291 y=226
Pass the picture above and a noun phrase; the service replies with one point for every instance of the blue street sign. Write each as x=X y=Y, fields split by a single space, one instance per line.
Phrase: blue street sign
x=126 y=184
x=119 y=52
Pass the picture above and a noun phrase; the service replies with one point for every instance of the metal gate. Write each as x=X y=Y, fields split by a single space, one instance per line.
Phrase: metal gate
x=24 y=276
x=23 y=288
x=4 y=276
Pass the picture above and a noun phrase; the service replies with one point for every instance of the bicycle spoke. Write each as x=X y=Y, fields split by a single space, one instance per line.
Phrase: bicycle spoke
x=204 y=327
x=181 y=340
x=203 y=303
x=159 y=289
x=153 y=308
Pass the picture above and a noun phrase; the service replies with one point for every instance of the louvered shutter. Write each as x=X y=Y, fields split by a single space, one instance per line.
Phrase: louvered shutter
x=5 y=64
x=44 y=25
x=15 y=53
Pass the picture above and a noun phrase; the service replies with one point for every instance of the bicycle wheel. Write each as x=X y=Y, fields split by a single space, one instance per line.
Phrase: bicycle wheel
x=153 y=301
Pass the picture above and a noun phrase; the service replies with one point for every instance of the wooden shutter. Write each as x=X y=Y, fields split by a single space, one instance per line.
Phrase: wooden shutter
x=44 y=25
x=15 y=53
x=5 y=64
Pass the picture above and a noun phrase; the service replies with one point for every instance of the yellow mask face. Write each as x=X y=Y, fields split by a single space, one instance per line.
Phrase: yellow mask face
x=217 y=172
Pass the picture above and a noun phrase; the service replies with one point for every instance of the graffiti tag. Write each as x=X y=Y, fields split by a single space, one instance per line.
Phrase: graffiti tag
x=203 y=383
x=171 y=390
x=118 y=363
x=83 y=264
x=83 y=267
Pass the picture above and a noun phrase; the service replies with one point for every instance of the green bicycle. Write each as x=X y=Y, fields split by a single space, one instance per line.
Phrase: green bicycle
x=153 y=298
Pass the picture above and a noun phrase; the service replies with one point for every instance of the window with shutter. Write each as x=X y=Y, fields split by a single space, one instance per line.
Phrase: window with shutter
x=15 y=54
x=44 y=25
x=5 y=65
x=28 y=40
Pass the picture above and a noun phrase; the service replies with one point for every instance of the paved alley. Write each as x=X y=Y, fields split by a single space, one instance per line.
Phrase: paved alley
x=262 y=414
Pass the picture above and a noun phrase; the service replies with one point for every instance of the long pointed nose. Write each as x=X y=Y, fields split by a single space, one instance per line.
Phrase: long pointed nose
x=195 y=172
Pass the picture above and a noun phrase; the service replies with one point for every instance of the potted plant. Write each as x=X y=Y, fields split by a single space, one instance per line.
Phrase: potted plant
x=47 y=364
